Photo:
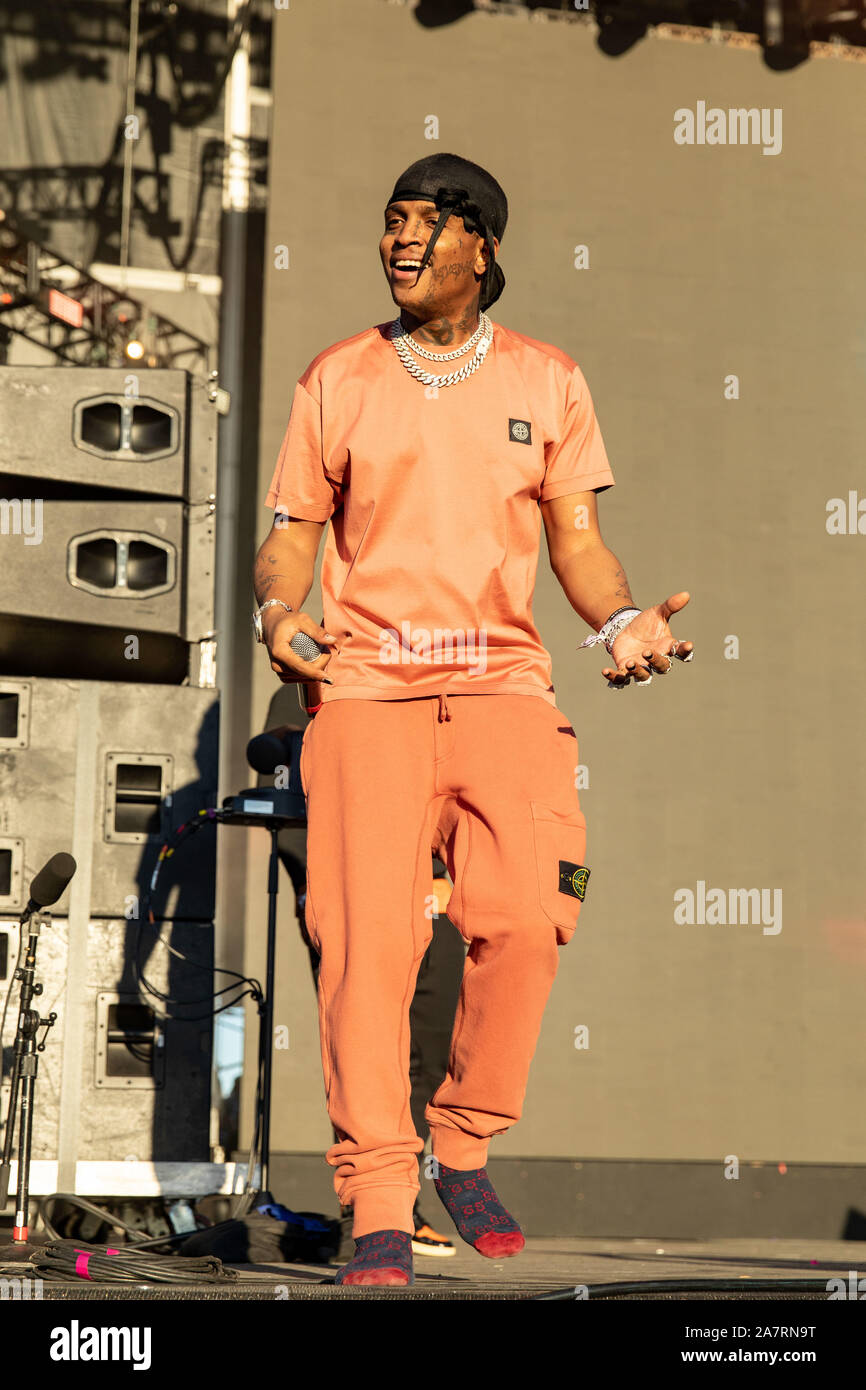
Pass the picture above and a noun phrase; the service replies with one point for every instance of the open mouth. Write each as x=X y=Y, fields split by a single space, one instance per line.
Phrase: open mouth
x=405 y=270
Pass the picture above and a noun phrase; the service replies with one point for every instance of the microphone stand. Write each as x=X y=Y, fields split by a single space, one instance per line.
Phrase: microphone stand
x=266 y=1020
x=25 y=1065
x=273 y=809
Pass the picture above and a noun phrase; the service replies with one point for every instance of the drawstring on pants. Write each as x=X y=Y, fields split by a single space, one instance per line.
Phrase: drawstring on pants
x=443 y=705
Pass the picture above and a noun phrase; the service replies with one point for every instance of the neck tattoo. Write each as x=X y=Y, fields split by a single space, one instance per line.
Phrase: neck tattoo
x=405 y=345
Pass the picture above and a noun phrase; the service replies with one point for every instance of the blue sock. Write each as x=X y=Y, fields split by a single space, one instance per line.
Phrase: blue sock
x=382 y=1257
x=478 y=1214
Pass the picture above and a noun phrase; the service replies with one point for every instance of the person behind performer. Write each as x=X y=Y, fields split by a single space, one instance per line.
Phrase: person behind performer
x=431 y=1013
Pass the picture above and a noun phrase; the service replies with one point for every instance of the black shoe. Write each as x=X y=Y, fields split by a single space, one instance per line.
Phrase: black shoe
x=346 y=1247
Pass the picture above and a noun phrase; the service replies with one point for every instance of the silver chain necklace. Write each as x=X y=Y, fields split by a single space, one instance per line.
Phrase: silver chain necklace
x=446 y=356
x=482 y=338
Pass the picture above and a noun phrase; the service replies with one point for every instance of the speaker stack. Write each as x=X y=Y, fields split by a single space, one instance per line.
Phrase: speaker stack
x=108 y=742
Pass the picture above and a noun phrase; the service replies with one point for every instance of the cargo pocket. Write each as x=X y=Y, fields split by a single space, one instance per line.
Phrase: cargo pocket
x=560 y=847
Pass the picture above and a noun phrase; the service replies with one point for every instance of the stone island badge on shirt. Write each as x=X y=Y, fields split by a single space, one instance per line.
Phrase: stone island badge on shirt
x=573 y=879
x=520 y=431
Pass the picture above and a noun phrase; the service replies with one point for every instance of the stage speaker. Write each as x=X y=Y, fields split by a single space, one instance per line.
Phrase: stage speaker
x=107 y=523
x=107 y=483
x=136 y=565
x=106 y=771
x=138 y=1073
x=148 y=431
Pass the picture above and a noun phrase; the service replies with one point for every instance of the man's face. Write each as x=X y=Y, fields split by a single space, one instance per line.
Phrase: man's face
x=450 y=279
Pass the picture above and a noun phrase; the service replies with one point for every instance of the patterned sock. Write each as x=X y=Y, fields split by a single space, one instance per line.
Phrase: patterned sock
x=477 y=1212
x=382 y=1257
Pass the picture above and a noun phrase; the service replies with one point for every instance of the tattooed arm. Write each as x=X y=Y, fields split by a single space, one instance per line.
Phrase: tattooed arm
x=284 y=569
x=286 y=562
x=595 y=585
x=591 y=576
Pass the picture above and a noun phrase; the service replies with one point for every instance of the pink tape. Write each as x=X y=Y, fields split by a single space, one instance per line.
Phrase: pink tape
x=84 y=1259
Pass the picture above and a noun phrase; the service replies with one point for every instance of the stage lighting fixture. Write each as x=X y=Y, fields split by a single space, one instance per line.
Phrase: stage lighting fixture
x=62 y=306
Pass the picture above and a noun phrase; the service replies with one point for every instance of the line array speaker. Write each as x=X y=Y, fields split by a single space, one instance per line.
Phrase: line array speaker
x=107 y=524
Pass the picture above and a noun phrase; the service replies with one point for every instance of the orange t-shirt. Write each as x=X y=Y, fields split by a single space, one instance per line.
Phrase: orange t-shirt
x=431 y=556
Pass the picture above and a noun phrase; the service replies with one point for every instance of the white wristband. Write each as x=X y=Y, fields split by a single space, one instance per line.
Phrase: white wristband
x=611 y=629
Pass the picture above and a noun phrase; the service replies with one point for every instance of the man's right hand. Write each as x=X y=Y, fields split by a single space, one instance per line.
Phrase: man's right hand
x=278 y=629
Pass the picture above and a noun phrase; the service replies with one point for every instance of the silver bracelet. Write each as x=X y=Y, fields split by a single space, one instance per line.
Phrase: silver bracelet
x=257 y=616
x=610 y=630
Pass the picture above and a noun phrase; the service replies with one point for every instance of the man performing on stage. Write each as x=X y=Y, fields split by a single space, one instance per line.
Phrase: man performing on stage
x=432 y=443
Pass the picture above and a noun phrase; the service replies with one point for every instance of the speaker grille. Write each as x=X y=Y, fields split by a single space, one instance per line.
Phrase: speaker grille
x=121 y=564
x=146 y=567
x=96 y=564
x=117 y=428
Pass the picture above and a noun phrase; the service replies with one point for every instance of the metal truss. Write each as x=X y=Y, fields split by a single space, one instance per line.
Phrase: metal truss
x=84 y=322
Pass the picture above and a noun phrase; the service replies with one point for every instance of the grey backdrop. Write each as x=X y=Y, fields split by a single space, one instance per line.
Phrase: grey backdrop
x=746 y=768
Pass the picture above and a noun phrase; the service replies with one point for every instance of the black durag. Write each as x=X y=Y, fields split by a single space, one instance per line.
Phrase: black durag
x=463 y=189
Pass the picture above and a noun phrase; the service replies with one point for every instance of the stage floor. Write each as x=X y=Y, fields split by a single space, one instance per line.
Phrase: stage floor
x=545 y=1267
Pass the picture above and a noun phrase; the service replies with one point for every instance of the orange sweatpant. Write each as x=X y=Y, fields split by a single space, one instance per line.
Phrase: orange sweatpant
x=487 y=781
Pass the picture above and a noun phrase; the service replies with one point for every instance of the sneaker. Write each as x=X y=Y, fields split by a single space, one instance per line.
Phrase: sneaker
x=346 y=1248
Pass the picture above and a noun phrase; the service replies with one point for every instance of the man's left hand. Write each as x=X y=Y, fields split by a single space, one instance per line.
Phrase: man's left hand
x=647 y=645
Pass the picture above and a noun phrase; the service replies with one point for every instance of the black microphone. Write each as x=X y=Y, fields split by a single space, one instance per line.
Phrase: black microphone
x=49 y=884
x=272 y=749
